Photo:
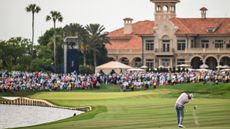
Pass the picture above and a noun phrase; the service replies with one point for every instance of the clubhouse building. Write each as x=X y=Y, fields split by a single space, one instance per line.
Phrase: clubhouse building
x=170 y=41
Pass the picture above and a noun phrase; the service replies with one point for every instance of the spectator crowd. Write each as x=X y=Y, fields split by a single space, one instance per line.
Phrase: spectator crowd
x=43 y=81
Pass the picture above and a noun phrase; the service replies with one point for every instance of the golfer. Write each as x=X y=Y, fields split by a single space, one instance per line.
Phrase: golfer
x=180 y=102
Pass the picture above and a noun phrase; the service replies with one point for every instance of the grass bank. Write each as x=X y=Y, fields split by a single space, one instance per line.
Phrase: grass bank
x=142 y=109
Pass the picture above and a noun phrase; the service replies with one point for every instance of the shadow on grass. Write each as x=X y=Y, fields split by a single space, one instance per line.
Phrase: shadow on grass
x=88 y=115
x=19 y=93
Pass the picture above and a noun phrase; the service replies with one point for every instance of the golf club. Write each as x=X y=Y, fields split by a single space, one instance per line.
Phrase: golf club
x=196 y=121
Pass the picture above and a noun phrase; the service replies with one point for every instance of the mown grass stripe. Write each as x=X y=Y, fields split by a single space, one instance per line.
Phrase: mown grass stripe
x=144 y=109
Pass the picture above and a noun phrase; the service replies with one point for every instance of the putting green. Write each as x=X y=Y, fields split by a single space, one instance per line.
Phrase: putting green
x=146 y=109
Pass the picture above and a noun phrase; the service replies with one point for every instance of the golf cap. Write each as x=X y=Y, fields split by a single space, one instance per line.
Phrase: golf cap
x=190 y=96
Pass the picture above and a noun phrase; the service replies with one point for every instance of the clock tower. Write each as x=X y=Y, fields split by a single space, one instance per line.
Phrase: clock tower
x=164 y=9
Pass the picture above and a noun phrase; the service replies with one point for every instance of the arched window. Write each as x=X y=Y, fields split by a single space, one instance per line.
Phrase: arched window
x=124 y=60
x=136 y=62
x=211 y=62
x=111 y=59
x=225 y=61
x=165 y=8
x=165 y=37
x=158 y=8
x=196 y=62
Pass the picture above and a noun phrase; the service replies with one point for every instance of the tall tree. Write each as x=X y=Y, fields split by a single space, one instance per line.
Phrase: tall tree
x=33 y=8
x=54 y=16
x=97 y=39
x=47 y=37
x=12 y=51
x=4 y=54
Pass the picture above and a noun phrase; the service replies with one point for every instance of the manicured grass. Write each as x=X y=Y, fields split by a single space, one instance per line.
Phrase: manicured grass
x=209 y=90
x=152 y=109
x=20 y=94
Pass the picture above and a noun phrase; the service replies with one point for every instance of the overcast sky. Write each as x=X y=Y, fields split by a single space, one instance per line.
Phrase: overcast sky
x=15 y=21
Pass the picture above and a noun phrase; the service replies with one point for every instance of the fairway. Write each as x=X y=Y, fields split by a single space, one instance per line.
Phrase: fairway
x=145 y=109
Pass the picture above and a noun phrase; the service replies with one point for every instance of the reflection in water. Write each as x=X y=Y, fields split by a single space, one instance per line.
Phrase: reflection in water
x=18 y=116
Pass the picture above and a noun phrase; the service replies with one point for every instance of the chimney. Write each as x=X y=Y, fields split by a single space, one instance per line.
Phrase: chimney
x=128 y=28
x=203 y=12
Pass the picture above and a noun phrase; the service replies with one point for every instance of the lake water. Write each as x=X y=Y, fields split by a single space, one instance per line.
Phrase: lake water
x=18 y=116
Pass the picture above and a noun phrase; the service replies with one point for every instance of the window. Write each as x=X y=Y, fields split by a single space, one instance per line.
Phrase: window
x=150 y=63
x=193 y=45
x=137 y=62
x=172 y=8
x=125 y=61
x=165 y=45
x=204 y=43
x=166 y=62
x=180 y=61
x=158 y=8
x=211 y=29
x=165 y=8
x=149 y=45
x=228 y=45
x=219 y=44
x=181 y=45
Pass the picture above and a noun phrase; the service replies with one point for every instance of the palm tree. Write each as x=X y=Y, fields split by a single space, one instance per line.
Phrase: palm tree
x=34 y=9
x=84 y=48
x=54 y=16
x=80 y=31
x=97 y=39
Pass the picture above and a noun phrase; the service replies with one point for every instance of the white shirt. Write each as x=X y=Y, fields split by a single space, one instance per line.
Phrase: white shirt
x=182 y=99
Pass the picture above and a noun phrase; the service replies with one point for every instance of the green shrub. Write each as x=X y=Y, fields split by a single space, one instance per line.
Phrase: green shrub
x=85 y=70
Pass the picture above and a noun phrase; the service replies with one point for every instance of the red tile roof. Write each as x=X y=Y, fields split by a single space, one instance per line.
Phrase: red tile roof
x=201 y=25
x=185 y=26
x=141 y=27
x=132 y=41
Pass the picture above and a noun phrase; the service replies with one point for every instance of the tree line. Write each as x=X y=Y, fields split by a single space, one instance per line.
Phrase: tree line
x=21 y=54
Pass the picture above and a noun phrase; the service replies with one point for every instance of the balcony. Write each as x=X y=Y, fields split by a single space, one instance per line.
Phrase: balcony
x=164 y=52
x=205 y=50
x=124 y=51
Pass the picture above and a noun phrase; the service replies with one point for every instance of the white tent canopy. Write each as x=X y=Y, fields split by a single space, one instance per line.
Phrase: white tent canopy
x=112 y=65
x=204 y=66
x=222 y=67
x=219 y=67
x=226 y=67
x=184 y=65
x=136 y=70
x=144 y=67
x=225 y=70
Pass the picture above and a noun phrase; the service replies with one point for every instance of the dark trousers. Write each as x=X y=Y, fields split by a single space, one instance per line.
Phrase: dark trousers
x=180 y=114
